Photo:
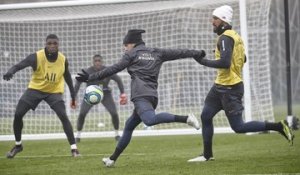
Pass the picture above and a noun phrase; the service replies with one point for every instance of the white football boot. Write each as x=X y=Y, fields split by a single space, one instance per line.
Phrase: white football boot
x=192 y=121
x=201 y=158
x=107 y=162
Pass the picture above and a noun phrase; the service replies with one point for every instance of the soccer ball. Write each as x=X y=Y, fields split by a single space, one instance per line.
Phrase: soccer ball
x=93 y=94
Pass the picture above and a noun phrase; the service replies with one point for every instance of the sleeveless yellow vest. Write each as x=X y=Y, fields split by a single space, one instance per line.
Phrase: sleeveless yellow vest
x=233 y=75
x=49 y=76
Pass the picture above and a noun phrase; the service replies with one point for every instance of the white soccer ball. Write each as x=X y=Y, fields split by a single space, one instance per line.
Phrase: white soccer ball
x=93 y=94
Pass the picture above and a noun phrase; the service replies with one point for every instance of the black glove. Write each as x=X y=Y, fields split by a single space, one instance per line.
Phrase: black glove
x=199 y=56
x=82 y=77
x=8 y=76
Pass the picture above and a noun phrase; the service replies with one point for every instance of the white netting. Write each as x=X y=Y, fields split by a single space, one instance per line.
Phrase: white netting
x=99 y=29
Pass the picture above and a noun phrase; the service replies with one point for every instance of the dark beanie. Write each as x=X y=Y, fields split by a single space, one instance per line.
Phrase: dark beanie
x=133 y=36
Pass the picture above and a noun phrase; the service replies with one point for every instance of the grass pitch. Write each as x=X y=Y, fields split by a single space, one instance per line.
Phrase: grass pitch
x=163 y=155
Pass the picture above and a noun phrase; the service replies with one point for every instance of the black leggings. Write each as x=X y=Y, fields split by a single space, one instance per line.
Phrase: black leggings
x=60 y=110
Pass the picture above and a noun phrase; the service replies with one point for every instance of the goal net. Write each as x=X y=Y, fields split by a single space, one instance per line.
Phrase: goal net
x=86 y=30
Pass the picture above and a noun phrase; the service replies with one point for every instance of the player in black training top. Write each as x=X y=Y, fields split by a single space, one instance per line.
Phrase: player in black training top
x=143 y=64
x=107 y=100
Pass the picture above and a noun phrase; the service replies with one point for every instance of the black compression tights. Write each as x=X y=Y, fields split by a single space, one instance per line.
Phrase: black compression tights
x=59 y=108
x=21 y=110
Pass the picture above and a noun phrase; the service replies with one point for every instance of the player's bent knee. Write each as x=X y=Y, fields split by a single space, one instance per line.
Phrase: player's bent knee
x=148 y=117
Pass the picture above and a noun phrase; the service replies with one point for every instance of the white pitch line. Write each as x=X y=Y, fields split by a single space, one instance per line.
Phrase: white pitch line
x=82 y=155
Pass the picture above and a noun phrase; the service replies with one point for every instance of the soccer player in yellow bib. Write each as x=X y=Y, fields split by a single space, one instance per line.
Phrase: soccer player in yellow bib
x=227 y=92
x=50 y=70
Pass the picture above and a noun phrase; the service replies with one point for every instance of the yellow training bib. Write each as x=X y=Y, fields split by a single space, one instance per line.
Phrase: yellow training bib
x=49 y=76
x=233 y=75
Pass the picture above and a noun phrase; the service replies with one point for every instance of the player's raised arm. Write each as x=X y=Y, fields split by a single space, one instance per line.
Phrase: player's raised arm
x=174 y=54
x=225 y=45
x=108 y=71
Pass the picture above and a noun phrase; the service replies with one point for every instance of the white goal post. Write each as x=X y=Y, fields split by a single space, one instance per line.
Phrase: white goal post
x=86 y=28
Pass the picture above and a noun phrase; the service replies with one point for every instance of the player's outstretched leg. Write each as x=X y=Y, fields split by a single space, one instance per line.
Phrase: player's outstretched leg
x=286 y=131
x=15 y=150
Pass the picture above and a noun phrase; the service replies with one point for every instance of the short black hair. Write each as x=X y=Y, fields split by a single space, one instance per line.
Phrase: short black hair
x=97 y=55
x=51 y=36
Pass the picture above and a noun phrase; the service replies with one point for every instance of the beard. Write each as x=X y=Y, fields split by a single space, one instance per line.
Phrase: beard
x=218 y=29
x=221 y=28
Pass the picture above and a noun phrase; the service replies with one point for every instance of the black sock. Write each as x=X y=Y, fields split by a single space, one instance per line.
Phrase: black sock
x=274 y=126
x=116 y=154
x=180 y=118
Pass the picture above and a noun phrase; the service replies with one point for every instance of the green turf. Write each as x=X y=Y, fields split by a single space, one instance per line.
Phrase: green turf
x=159 y=155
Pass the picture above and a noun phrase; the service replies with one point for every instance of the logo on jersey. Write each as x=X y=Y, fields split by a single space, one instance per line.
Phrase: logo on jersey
x=51 y=77
x=146 y=56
